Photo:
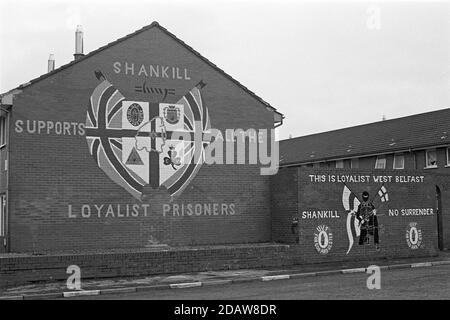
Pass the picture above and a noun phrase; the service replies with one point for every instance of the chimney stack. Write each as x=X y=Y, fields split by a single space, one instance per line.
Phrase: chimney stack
x=51 y=63
x=78 y=43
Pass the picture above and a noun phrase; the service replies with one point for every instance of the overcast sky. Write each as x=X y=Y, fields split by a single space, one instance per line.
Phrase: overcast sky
x=325 y=65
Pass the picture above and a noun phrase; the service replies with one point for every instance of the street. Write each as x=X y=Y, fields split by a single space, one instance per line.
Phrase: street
x=414 y=283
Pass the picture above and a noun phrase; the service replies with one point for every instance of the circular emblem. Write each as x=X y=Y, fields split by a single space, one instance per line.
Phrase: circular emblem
x=323 y=239
x=413 y=236
x=135 y=114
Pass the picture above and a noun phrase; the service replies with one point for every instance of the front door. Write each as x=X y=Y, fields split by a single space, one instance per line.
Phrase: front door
x=3 y=222
x=439 y=219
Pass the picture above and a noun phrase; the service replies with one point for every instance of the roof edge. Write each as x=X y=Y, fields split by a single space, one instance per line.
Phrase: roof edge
x=145 y=28
x=81 y=58
x=365 y=124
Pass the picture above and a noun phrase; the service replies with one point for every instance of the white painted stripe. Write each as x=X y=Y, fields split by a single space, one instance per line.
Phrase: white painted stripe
x=81 y=293
x=185 y=285
x=421 y=264
x=354 y=270
x=279 y=277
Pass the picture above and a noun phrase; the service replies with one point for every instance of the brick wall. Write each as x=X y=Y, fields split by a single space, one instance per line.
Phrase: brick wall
x=442 y=180
x=24 y=269
x=284 y=204
x=328 y=196
x=50 y=172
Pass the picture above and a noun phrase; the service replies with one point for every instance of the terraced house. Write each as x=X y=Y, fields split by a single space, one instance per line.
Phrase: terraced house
x=418 y=143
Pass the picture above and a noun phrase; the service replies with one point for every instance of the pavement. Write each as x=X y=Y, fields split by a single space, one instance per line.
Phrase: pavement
x=128 y=286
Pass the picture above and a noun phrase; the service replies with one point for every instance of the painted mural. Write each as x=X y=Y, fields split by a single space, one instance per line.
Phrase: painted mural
x=139 y=143
x=362 y=219
x=352 y=214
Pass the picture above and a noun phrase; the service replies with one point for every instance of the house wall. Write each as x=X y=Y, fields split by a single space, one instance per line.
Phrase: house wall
x=60 y=200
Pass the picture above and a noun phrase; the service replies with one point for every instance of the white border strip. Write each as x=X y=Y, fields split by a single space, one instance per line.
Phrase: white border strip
x=354 y=270
x=185 y=285
x=421 y=264
x=279 y=277
x=69 y=294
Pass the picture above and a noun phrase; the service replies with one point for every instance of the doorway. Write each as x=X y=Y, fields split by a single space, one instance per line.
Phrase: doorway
x=439 y=218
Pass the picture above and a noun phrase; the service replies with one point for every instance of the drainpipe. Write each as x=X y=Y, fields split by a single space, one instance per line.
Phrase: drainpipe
x=8 y=138
x=414 y=156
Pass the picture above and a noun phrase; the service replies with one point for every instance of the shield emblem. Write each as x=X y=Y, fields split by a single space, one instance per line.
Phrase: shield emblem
x=137 y=143
x=172 y=114
x=160 y=155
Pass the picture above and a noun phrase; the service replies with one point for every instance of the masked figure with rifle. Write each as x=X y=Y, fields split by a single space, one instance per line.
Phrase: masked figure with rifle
x=367 y=216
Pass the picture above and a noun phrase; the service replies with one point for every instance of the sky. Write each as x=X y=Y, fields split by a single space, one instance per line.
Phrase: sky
x=324 y=65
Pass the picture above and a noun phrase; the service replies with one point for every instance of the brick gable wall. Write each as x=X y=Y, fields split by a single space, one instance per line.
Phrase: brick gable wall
x=49 y=172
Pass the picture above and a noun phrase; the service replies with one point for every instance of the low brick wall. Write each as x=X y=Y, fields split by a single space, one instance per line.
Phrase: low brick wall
x=23 y=269
x=19 y=269
x=312 y=210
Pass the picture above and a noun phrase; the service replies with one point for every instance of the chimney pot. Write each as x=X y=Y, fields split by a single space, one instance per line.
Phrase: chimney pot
x=51 y=63
x=78 y=42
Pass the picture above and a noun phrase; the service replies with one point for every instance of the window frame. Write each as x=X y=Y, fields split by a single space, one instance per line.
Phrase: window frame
x=426 y=159
x=340 y=162
x=447 y=150
x=379 y=158
x=396 y=156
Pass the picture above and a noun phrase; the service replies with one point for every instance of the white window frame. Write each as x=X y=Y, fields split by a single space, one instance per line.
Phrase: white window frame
x=426 y=159
x=448 y=156
x=339 y=164
x=380 y=159
x=397 y=156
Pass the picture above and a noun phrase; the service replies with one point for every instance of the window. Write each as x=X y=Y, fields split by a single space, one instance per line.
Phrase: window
x=340 y=164
x=399 y=161
x=354 y=164
x=380 y=163
x=431 y=159
x=448 y=156
x=2 y=131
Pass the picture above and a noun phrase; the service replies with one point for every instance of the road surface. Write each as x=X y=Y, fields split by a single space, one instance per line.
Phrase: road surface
x=413 y=283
